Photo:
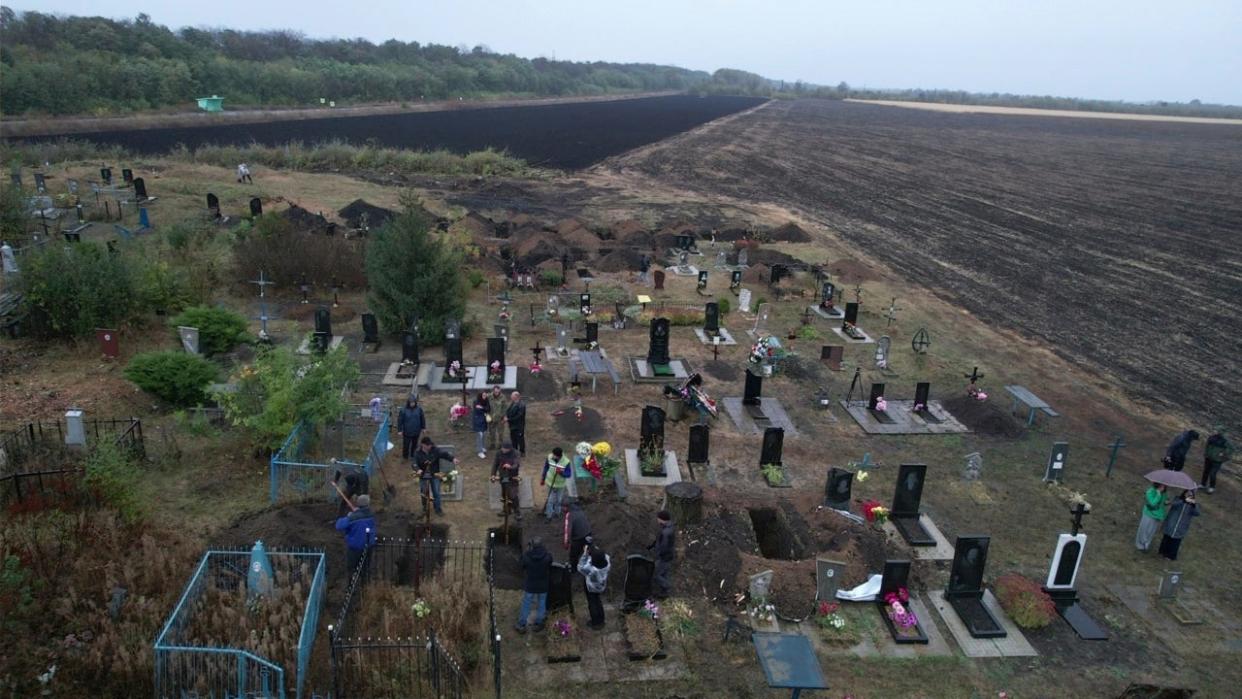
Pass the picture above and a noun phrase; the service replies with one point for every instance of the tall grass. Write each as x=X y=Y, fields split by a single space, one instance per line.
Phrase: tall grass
x=328 y=156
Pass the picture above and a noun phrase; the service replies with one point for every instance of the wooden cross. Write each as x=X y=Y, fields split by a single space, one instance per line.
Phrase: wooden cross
x=305 y=287
x=537 y=350
x=858 y=293
x=336 y=290
x=892 y=311
x=974 y=376
x=806 y=316
x=1079 y=511
x=1116 y=446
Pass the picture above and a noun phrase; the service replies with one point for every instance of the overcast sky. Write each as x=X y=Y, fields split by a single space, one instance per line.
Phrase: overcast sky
x=1114 y=49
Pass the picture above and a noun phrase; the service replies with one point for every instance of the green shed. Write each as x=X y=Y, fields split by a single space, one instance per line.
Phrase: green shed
x=211 y=104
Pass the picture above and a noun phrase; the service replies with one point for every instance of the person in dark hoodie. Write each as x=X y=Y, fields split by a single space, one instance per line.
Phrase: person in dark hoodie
x=410 y=425
x=537 y=566
x=1216 y=452
x=665 y=548
x=1177 y=523
x=505 y=471
x=577 y=531
x=360 y=528
x=1175 y=455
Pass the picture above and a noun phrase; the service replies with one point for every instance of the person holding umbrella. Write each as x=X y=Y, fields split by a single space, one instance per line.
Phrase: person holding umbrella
x=1176 y=525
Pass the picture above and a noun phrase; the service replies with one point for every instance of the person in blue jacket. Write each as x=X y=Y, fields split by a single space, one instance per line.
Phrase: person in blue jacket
x=360 y=530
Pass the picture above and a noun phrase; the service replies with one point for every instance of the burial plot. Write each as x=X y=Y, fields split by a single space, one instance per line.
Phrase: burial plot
x=849 y=329
x=896 y=577
x=1062 y=581
x=905 y=513
x=651 y=463
x=752 y=413
x=838 y=489
x=639 y=582
x=1056 y=462
x=964 y=592
x=832 y=356
x=658 y=366
x=827 y=306
x=712 y=333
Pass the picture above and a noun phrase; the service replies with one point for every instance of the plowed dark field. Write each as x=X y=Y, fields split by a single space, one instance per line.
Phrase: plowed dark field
x=1118 y=243
x=570 y=135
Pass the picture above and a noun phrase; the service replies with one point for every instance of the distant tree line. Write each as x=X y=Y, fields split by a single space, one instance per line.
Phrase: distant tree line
x=92 y=65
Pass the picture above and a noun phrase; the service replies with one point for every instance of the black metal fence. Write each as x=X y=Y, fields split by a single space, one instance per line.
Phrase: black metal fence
x=417 y=666
x=46 y=438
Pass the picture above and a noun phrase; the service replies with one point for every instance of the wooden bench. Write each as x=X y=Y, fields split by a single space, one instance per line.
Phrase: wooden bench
x=1034 y=404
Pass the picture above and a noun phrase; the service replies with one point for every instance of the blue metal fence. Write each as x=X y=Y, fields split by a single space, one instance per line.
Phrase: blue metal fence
x=189 y=665
x=294 y=476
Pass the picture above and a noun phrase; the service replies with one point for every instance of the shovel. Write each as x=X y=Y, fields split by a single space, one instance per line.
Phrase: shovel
x=389 y=491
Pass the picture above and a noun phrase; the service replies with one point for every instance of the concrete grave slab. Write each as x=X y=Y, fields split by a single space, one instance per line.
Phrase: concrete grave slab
x=479 y=382
x=634 y=474
x=1013 y=645
x=880 y=643
x=942 y=551
x=436 y=378
x=866 y=339
x=640 y=370
x=904 y=421
x=772 y=409
x=837 y=313
x=687 y=271
x=418 y=377
x=455 y=491
x=726 y=337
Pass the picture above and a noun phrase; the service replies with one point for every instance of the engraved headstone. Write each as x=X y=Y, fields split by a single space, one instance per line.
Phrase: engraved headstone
x=735 y=280
x=702 y=280
x=658 y=276
x=140 y=188
x=189 y=338
x=922 y=394
x=127 y=175
x=657 y=350
x=970 y=558
x=743 y=300
x=584 y=304
x=1170 y=584
x=877 y=392
x=827 y=296
x=711 y=318
x=495 y=360
x=743 y=257
x=256 y=207
x=851 y=315
x=753 y=392
x=1056 y=462
x=370 y=329
x=40 y=183
x=213 y=204
x=409 y=348
x=323 y=321
x=562 y=337
x=974 y=466
x=639 y=576
x=832 y=356
x=881 y=352
x=827 y=578
x=651 y=435
x=773 y=446
x=759 y=585
x=838 y=489
x=1063 y=571
x=722 y=259
x=73 y=186
x=452 y=329
x=700 y=440
x=105 y=174
x=909 y=491
x=761 y=318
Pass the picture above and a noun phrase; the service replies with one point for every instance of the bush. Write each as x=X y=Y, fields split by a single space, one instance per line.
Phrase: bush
x=163 y=287
x=1025 y=601
x=476 y=278
x=411 y=271
x=551 y=277
x=73 y=289
x=172 y=375
x=111 y=473
x=219 y=329
x=723 y=306
x=284 y=254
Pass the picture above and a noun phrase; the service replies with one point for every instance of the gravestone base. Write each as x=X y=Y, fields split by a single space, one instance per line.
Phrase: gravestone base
x=526 y=495
x=408 y=376
x=903 y=418
x=438 y=381
x=634 y=474
x=1013 y=645
x=942 y=550
x=726 y=337
x=881 y=644
x=455 y=491
x=864 y=340
x=773 y=415
x=837 y=313
x=479 y=380
x=1074 y=615
x=686 y=271
x=335 y=342
x=642 y=372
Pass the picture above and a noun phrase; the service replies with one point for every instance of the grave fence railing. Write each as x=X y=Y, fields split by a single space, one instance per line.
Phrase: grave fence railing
x=295 y=474
x=44 y=438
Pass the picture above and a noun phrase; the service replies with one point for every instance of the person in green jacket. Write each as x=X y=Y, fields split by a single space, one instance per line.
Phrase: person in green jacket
x=1216 y=452
x=1154 y=505
x=555 y=473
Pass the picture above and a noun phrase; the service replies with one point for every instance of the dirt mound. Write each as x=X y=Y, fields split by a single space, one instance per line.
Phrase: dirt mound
x=619 y=260
x=590 y=428
x=623 y=230
x=729 y=235
x=769 y=257
x=375 y=216
x=534 y=251
x=756 y=273
x=536 y=387
x=983 y=417
x=304 y=220
x=789 y=233
x=476 y=226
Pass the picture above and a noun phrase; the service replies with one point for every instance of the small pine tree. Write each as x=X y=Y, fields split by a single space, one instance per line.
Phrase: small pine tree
x=410 y=270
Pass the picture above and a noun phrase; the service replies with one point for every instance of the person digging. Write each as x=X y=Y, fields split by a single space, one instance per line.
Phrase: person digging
x=505 y=471
x=359 y=528
x=427 y=460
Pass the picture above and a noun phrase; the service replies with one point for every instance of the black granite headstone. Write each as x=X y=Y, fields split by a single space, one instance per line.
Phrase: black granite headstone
x=40 y=183
x=711 y=318
x=657 y=350
x=127 y=175
x=105 y=174
x=922 y=392
x=584 y=304
x=323 y=321
x=495 y=353
x=838 y=489
x=140 y=188
x=651 y=434
x=256 y=207
x=213 y=204
x=639 y=578
x=700 y=440
x=735 y=279
x=685 y=241
x=592 y=333
x=409 y=347
x=896 y=576
x=773 y=446
x=702 y=279
x=452 y=329
x=909 y=493
x=851 y=315
x=970 y=557
x=370 y=329
x=877 y=392
x=827 y=294
x=452 y=353
x=753 y=392
x=320 y=341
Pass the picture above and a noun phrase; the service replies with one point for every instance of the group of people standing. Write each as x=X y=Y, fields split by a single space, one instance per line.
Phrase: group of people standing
x=1172 y=517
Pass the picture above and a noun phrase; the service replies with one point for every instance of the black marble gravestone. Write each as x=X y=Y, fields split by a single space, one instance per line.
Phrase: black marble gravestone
x=40 y=183
x=851 y=315
x=370 y=329
x=658 y=276
x=105 y=174
x=838 y=489
x=639 y=578
x=452 y=329
x=685 y=241
x=452 y=353
x=735 y=280
x=409 y=348
x=495 y=360
x=773 y=446
x=778 y=273
x=896 y=577
x=657 y=349
x=877 y=392
x=753 y=392
x=592 y=334
x=256 y=207
x=827 y=294
x=140 y=188
x=711 y=319
x=922 y=396
x=323 y=321
x=213 y=204
x=702 y=279
x=965 y=589
x=651 y=433
x=906 y=500
x=127 y=175
x=584 y=304
x=700 y=440
x=320 y=341
x=560 y=587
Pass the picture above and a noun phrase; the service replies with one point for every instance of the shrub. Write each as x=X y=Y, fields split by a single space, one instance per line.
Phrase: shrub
x=73 y=289
x=172 y=375
x=808 y=332
x=1024 y=601
x=475 y=277
x=551 y=277
x=284 y=254
x=111 y=473
x=723 y=306
x=163 y=287
x=219 y=329
x=410 y=271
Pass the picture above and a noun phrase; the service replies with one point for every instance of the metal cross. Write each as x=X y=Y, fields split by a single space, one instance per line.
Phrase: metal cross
x=1079 y=511
x=858 y=293
x=336 y=293
x=305 y=287
x=537 y=350
x=921 y=341
x=892 y=311
x=1116 y=446
x=974 y=376
x=263 y=284
x=866 y=461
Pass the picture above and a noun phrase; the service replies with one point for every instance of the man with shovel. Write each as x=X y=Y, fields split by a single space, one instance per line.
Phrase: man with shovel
x=427 y=460
x=359 y=527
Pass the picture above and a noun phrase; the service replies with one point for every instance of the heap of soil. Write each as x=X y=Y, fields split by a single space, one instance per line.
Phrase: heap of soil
x=983 y=417
x=538 y=387
x=789 y=233
x=756 y=273
x=304 y=220
x=769 y=257
x=728 y=235
x=590 y=428
x=376 y=216
x=619 y=260
x=713 y=553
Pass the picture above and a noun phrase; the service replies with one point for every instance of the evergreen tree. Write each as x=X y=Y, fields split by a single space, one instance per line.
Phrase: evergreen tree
x=412 y=271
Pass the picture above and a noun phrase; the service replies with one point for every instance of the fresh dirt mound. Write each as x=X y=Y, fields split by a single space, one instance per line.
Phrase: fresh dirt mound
x=476 y=226
x=789 y=233
x=375 y=216
x=729 y=235
x=769 y=257
x=619 y=260
x=539 y=387
x=756 y=273
x=304 y=220
x=535 y=251
x=983 y=417
x=590 y=428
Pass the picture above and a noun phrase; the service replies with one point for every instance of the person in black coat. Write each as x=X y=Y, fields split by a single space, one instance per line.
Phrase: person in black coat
x=1175 y=456
x=515 y=418
x=410 y=425
x=665 y=548
x=537 y=566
